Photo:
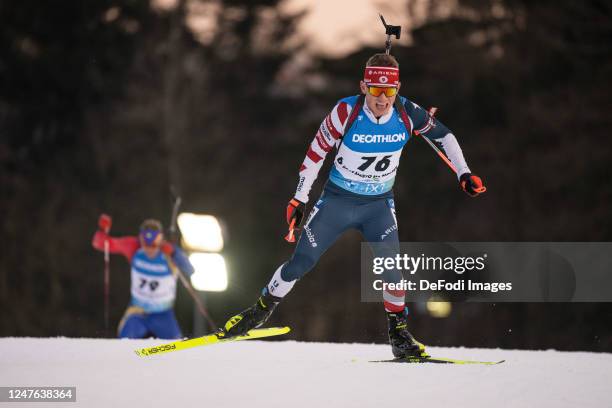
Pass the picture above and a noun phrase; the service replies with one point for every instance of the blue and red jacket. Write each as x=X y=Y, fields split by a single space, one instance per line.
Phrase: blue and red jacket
x=153 y=280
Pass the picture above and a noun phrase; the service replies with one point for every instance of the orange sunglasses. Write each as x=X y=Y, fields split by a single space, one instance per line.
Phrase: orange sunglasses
x=377 y=91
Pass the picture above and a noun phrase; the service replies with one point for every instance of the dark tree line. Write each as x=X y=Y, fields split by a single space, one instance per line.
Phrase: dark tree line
x=104 y=104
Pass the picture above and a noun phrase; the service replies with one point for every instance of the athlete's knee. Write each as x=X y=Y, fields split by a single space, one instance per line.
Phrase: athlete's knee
x=298 y=266
x=132 y=328
x=171 y=330
x=132 y=324
x=164 y=325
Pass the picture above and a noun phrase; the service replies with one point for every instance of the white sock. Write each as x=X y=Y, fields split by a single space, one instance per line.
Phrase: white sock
x=279 y=287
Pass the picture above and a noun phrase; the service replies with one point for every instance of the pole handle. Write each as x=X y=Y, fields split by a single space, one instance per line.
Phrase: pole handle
x=291 y=234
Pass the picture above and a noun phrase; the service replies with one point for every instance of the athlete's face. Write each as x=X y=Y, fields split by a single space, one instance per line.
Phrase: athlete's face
x=151 y=250
x=379 y=105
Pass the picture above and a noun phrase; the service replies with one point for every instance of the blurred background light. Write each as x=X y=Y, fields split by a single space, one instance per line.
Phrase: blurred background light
x=438 y=308
x=200 y=232
x=210 y=272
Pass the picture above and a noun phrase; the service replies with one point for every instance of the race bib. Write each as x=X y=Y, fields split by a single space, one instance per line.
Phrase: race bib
x=153 y=292
x=367 y=167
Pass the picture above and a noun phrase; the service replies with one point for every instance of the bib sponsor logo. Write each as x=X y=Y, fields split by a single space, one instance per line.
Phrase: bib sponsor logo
x=148 y=266
x=365 y=188
x=396 y=137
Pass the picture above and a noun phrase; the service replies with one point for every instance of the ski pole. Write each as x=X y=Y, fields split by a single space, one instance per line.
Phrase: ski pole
x=291 y=234
x=203 y=311
x=106 y=286
x=432 y=111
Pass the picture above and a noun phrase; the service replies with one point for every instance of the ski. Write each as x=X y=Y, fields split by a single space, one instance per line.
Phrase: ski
x=436 y=360
x=208 y=340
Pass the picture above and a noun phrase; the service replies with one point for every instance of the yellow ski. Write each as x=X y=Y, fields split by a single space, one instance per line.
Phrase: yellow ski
x=209 y=339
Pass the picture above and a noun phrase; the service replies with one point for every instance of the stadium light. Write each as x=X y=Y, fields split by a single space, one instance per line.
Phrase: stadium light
x=438 y=308
x=200 y=232
x=210 y=272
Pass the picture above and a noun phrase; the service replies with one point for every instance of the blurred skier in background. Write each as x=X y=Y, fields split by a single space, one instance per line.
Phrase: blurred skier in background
x=369 y=132
x=154 y=264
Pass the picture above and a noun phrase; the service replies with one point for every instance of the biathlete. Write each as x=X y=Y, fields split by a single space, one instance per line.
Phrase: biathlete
x=154 y=264
x=358 y=194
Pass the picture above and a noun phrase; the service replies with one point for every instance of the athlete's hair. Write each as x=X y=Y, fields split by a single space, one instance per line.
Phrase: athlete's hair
x=151 y=224
x=382 y=60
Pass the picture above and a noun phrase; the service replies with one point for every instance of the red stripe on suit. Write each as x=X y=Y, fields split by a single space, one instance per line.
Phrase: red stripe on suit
x=322 y=142
x=312 y=155
x=393 y=308
x=343 y=112
x=332 y=129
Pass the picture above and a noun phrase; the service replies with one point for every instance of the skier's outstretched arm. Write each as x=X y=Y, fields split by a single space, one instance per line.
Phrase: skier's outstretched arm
x=125 y=246
x=431 y=128
x=434 y=130
x=327 y=137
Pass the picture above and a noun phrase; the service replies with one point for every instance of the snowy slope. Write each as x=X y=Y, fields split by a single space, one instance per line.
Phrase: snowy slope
x=292 y=374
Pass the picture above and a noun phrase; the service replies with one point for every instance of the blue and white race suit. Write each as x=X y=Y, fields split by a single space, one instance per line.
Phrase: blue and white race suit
x=358 y=194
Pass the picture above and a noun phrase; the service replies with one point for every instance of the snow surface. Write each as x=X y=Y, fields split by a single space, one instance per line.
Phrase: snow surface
x=107 y=373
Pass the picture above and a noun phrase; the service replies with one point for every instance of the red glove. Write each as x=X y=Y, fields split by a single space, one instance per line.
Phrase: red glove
x=471 y=184
x=105 y=222
x=295 y=211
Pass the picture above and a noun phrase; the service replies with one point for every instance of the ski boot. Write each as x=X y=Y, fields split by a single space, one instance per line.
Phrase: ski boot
x=251 y=318
x=403 y=344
